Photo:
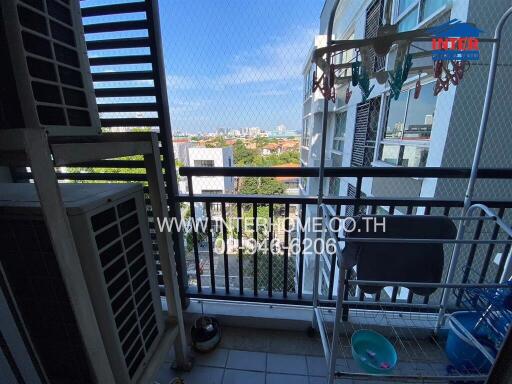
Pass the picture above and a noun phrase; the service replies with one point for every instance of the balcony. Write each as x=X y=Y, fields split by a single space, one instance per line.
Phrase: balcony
x=276 y=302
x=274 y=290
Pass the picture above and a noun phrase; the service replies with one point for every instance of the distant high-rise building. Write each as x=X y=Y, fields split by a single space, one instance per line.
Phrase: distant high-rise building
x=281 y=129
x=251 y=131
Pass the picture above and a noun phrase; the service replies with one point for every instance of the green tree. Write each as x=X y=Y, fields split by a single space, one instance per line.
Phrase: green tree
x=216 y=142
x=243 y=155
x=261 y=186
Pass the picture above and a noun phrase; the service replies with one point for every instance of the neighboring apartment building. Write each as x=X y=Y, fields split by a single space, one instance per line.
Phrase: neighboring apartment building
x=181 y=146
x=429 y=131
x=211 y=157
x=291 y=183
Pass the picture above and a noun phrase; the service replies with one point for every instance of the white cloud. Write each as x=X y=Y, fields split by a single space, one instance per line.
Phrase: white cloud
x=280 y=60
x=277 y=61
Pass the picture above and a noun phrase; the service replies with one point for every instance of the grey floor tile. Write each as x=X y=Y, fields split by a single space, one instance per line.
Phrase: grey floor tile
x=244 y=360
x=245 y=339
x=347 y=365
x=317 y=366
x=317 y=380
x=232 y=376
x=278 y=378
x=170 y=356
x=165 y=374
x=291 y=364
x=203 y=375
x=216 y=358
x=323 y=380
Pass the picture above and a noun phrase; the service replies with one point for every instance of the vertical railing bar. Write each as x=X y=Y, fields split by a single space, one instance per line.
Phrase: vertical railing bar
x=270 y=238
x=210 y=245
x=377 y=295
x=225 y=240
x=194 y=234
x=391 y=209
x=394 y=294
x=410 y=296
x=394 y=291
x=358 y=194
x=427 y=210
x=472 y=250
x=503 y=260
x=471 y=257
x=240 y=248
x=345 y=309
x=301 y=249
x=373 y=210
x=426 y=299
x=285 y=251
x=333 y=260
x=409 y=209
x=446 y=211
x=361 y=295
x=255 y=255
x=490 y=248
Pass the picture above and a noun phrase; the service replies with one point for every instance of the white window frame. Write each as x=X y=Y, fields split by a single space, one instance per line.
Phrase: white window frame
x=397 y=18
x=335 y=138
x=306 y=135
x=383 y=120
x=308 y=83
x=349 y=55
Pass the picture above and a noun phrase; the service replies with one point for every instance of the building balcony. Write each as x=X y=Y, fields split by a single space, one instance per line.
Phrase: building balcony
x=248 y=263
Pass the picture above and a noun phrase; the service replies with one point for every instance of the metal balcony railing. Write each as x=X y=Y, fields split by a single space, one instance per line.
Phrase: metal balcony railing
x=264 y=277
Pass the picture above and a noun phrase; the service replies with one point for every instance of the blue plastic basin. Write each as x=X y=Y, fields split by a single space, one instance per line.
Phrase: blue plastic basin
x=371 y=350
x=460 y=351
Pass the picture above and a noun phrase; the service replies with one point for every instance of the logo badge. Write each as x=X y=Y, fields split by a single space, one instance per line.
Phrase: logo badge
x=455 y=40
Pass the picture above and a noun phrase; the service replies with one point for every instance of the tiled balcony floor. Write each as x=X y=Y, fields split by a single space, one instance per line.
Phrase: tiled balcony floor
x=255 y=356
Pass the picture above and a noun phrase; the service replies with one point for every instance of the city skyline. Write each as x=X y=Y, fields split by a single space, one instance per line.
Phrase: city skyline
x=243 y=77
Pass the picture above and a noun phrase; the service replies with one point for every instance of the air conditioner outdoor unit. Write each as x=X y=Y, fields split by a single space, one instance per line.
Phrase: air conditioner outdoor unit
x=109 y=226
x=45 y=79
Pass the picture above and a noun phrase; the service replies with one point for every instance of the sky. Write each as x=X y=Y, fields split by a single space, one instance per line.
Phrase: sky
x=236 y=63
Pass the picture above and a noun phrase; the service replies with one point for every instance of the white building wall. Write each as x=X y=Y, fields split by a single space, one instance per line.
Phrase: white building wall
x=181 y=151
x=221 y=157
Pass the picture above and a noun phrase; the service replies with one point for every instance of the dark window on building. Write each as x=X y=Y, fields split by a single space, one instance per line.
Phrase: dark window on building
x=365 y=133
x=373 y=22
x=204 y=163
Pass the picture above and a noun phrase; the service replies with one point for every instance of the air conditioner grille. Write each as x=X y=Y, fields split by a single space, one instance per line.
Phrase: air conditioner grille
x=49 y=38
x=119 y=241
x=32 y=271
x=118 y=284
x=111 y=253
x=34 y=3
x=129 y=324
x=136 y=363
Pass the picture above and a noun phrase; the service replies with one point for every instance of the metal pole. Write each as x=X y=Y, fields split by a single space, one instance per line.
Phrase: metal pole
x=476 y=160
x=322 y=155
x=337 y=326
x=170 y=176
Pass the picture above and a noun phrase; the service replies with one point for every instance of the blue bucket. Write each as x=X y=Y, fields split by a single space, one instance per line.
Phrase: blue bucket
x=461 y=350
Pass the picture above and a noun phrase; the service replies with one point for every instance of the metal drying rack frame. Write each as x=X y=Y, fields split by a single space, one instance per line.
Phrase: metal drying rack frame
x=402 y=326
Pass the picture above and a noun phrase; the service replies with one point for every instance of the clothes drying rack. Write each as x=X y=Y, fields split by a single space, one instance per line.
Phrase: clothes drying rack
x=416 y=331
